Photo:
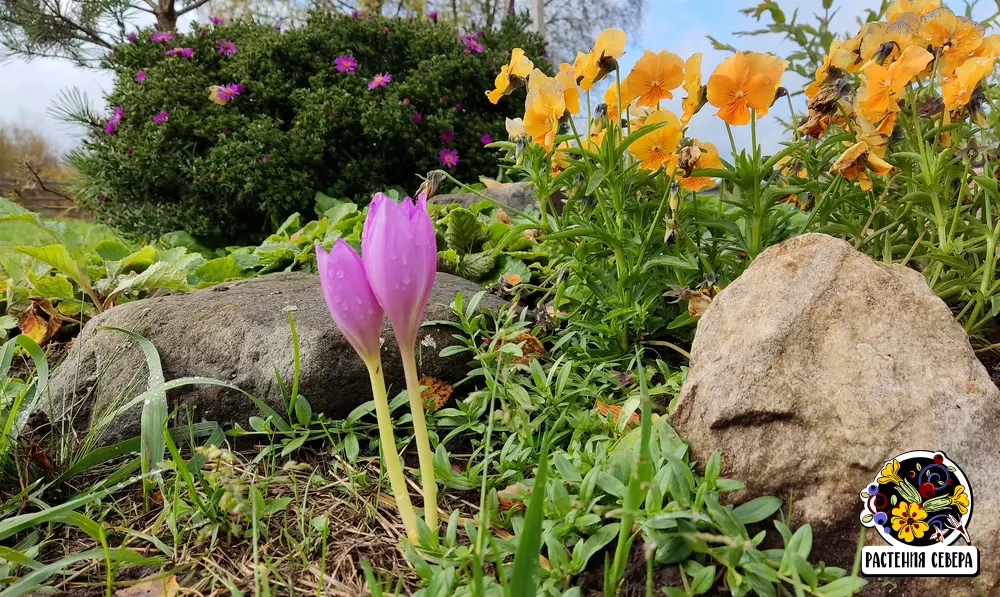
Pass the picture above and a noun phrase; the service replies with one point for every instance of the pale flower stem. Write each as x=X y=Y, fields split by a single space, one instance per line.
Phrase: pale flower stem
x=420 y=435
x=388 y=441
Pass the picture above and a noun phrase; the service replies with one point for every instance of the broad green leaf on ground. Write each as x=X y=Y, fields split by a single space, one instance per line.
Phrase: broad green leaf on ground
x=59 y=258
x=219 y=270
x=159 y=276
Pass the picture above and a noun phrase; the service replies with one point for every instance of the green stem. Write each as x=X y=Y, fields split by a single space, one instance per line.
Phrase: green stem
x=388 y=441
x=420 y=435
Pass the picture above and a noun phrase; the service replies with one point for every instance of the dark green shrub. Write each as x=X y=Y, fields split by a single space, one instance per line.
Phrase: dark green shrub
x=229 y=173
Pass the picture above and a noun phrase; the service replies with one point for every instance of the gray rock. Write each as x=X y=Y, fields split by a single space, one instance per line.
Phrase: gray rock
x=816 y=366
x=238 y=332
x=519 y=195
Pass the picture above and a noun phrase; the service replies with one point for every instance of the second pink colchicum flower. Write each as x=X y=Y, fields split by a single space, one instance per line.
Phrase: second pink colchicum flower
x=352 y=304
x=400 y=256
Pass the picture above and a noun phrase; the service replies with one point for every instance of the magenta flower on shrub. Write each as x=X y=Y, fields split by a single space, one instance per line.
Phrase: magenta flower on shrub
x=132 y=37
x=161 y=117
x=349 y=297
x=223 y=94
x=140 y=76
x=182 y=52
x=433 y=15
x=447 y=136
x=417 y=118
x=486 y=138
x=113 y=122
x=346 y=64
x=380 y=80
x=161 y=36
x=400 y=257
x=217 y=20
x=448 y=158
x=226 y=47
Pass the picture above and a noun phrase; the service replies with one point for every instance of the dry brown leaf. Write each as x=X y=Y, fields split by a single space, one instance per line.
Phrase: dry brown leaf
x=40 y=320
x=157 y=587
x=512 y=279
x=502 y=216
x=490 y=183
x=616 y=411
x=512 y=497
x=436 y=392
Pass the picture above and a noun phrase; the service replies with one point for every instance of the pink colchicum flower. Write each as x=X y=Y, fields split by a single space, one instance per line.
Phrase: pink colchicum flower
x=161 y=36
x=346 y=64
x=140 y=76
x=380 y=80
x=161 y=117
x=448 y=158
x=400 y=257
x=226 y=47
x=349 y=297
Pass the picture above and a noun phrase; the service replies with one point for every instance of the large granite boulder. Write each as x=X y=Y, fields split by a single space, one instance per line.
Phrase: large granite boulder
x=239 y=332
x=819 y=364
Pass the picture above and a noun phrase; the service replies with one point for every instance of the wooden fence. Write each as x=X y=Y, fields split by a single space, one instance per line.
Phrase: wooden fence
x=45 y=202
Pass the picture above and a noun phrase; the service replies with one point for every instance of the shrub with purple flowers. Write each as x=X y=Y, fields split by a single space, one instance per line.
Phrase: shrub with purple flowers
x=186 y=152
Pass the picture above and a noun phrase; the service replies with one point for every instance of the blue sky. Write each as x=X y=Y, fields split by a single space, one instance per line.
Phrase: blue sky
x=680 y=26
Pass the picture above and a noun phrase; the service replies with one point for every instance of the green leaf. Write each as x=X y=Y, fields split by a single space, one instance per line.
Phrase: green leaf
x=464 y=232
x=702 y=580
x=757 y=509
x=339 y=209
x=54 y=287
x=112 y=250
x=595 y=543
x=139 y=260
x=843 y=587
x=219 y=270
x=58 y=257
x=159 y=276
x=475 y=266
x=523 y=580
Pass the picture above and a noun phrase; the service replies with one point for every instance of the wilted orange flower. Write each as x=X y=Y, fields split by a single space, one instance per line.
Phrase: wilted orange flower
x=544 y=108
x=695 y=98
x=560 y=159
x=654 y=76
x=745 y=82
x=571 y=93
x=656 y=149
x=855 y=163
x=603 y=59
x=697 y=155
x=918 y=7
x=957 y=89
x=879 y=94
x=512 y=75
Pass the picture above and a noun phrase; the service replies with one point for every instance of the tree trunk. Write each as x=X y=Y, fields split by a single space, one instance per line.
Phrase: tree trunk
x=166 y=16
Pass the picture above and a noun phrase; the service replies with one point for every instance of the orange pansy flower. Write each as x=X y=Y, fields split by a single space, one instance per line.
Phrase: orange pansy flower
x=879 y=94
x=571 y=93
x=611 y=99
x=512 y=75
x=957 y=89
x=957 y=37
x=918 y=7
x=656 y=149
x=603 y=59
x=544 y=108
x=695 y=98
x=745 y=82
x=654 y=76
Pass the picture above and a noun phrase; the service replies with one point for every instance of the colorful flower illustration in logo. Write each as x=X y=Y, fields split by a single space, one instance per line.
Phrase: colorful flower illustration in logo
x=918 y=499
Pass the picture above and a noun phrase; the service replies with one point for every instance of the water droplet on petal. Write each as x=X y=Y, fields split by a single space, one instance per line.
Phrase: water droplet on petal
x=340 y=273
